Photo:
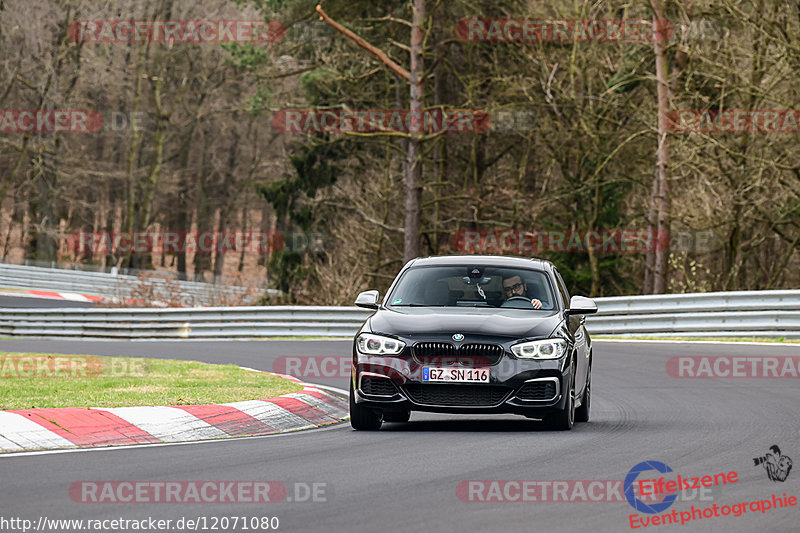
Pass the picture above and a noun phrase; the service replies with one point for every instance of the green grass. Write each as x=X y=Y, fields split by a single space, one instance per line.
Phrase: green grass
x=37 y=380
x=779 y=340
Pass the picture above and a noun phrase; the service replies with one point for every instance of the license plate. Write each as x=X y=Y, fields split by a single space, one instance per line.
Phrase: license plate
x=455 y=375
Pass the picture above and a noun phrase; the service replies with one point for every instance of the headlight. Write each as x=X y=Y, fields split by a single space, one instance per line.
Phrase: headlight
x=546 y=349
x=372 y=344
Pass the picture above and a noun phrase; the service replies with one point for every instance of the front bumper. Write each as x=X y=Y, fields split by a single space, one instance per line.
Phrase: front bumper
x=531 y=388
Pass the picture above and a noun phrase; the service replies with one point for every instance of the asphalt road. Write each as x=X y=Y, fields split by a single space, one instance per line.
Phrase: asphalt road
x=404 y=477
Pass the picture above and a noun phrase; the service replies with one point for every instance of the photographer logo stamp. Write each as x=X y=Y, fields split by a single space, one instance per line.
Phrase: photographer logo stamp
x=777 y=466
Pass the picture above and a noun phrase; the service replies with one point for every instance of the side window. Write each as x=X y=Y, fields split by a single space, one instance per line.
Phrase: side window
x=562 y=288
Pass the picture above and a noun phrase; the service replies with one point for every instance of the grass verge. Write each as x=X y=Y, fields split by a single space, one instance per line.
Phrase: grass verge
x=40 y=380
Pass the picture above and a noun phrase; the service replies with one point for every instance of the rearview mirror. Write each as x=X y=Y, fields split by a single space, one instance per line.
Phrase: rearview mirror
x=581 y=305
x=368 y=299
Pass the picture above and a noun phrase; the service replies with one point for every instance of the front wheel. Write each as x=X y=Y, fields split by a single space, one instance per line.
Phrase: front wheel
x=363 y=418
x=564 y=420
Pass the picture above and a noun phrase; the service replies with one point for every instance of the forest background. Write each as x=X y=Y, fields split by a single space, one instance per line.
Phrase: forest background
x=192 y=140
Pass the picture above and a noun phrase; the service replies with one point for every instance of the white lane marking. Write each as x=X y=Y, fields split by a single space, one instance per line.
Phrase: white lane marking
x=272 y=415
x=328 y=408
x=167 y=423
x=325 y=391
x=309 y=385
x=287 y=377
x=8 y=446
x=27 y=434
x=74 y=297
x=334 y=389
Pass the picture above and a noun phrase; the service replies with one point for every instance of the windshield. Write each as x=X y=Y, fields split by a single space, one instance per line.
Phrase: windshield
x=472 y=286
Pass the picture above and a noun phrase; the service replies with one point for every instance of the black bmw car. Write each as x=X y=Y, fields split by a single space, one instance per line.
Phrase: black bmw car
x=473 y=334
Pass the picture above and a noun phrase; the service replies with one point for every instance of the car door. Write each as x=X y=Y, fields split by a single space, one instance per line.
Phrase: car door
x=579 y=334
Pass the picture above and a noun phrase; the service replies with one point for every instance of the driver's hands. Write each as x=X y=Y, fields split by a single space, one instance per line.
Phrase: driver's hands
x=537 y=304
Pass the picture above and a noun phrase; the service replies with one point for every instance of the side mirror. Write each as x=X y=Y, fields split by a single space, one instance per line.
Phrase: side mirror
x=581 y=305
x=368 y=299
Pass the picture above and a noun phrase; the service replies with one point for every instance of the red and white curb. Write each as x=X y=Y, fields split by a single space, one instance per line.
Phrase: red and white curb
x=74 y=297
x=71 y=427
x=51 y=295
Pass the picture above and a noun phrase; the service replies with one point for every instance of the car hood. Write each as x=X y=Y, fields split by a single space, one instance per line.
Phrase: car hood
x=435 y=321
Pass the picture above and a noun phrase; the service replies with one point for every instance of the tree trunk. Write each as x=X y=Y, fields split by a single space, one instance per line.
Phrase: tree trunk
x=219 y=257
x=202 y=258
x=662 y=198
x=184 y=219
x=414 y=159
x=652 y=220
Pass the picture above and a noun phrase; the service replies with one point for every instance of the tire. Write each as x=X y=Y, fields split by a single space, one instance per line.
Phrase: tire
x=564 y=419
x=363 y=418
x=397 y=416
x=582 y=412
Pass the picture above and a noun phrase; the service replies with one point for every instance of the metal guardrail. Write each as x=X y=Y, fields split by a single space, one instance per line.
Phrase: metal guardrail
x=722 y=314
x=195 y=323
x=768 y=314
x=122 y=286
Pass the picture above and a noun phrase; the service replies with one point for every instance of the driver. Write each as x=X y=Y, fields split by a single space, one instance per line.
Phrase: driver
x=513 y=286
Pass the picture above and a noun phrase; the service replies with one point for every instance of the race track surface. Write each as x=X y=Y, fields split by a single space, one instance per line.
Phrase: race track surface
x=404 y=477
x=21 y=301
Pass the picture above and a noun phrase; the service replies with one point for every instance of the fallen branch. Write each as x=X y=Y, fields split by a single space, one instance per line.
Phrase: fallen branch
x=400 y=71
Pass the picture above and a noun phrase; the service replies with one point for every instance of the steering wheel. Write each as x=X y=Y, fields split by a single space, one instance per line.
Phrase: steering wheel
x=516 y=299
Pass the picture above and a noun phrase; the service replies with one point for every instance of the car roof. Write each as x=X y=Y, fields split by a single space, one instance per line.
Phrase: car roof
x=492 y=260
